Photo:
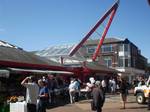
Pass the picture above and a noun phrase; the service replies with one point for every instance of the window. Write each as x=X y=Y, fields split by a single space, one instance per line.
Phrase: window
x=134 y=62
x=107 y=48
x=108 y=61
x=91 y=49
x=126 y=62
x=129 y=62
x=121 y=47
x=120 y=62
x=126 y=47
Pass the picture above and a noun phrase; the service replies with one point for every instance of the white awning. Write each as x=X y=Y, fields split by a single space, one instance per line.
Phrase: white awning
x=4 y=73
x=131 y=71
x=40 y=71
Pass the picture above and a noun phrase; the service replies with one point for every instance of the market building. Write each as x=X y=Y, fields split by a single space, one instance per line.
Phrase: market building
x=118 y=54
x=121 y=55
x=16 y=64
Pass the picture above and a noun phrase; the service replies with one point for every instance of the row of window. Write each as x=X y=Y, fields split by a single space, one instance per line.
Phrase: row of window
x=122 y=62
x=108 y=48
x=105 y=48
x=124 y=47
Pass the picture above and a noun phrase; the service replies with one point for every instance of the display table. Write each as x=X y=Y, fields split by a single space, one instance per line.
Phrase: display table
x=18 y=107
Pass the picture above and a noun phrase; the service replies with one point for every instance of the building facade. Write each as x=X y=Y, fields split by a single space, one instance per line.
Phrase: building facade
x=119 y=54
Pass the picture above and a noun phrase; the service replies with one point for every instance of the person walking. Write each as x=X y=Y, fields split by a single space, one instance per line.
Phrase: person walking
x=72 y=90
x=113 y=88
x=123 y=91
x=32 y=90
x=52 y=85
x=98 y=97
x=77 y=90
x=104 y=85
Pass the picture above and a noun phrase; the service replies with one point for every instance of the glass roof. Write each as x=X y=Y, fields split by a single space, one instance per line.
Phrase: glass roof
x=58 y=50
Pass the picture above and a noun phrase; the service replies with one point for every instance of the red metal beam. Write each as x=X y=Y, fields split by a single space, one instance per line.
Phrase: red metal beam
x=114 y=6
x=104 y=35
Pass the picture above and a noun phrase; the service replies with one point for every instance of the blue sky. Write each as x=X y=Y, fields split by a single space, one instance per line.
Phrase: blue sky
x=37 y=24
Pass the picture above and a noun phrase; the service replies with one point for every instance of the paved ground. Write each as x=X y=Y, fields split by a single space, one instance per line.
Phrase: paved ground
x=112 y=104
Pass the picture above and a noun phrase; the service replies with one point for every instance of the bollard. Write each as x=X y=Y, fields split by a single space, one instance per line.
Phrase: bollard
x=149 y=101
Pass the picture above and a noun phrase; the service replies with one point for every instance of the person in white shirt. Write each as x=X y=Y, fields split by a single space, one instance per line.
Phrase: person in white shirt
x=104 y=85
x=72 y=90
x=77 y=89
x=110 y=85
x=32 y=91
x=113 y=86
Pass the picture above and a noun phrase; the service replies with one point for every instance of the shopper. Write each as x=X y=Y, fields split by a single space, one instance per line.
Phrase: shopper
x=113 y=87
x=32 y=90
x=123 y=91
x=104 y=85
x=52 y=85
x=72 y=90
x=77 y=90
x=43 y=96
x=98 y=97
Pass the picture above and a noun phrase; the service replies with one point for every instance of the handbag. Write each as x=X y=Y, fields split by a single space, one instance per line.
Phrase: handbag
x=93 y=107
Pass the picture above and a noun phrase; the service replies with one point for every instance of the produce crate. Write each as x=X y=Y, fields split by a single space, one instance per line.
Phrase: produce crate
x=18 y=107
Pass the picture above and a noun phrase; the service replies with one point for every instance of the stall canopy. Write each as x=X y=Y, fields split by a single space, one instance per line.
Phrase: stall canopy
x=18 y=58
x=98 y=68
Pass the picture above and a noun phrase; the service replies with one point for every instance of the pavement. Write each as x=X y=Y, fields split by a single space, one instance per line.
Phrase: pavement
x=112 y=104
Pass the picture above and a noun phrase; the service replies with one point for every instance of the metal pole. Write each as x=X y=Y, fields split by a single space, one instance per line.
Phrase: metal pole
x=62 y=60
x=75 y=49
x=104 y=34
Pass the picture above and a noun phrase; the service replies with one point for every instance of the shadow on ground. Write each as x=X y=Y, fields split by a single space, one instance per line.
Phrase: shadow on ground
x=141 y=107
x=62 y=101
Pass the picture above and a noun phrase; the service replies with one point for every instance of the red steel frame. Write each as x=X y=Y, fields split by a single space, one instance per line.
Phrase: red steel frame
x=104 y=35
x=111 y=11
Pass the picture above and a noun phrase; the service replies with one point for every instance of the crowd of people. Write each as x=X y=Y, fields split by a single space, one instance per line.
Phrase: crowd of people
x=99 y=88
x=39 y=94
x=139 y=80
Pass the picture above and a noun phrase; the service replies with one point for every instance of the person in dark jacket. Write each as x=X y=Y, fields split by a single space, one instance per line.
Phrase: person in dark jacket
x=98 y=96
x=123 y=91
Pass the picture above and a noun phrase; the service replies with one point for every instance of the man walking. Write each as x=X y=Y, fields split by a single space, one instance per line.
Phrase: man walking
x=32 y=91
x=98 y=97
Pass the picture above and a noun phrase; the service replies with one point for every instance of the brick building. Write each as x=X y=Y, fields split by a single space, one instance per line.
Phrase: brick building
x=118 y=54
